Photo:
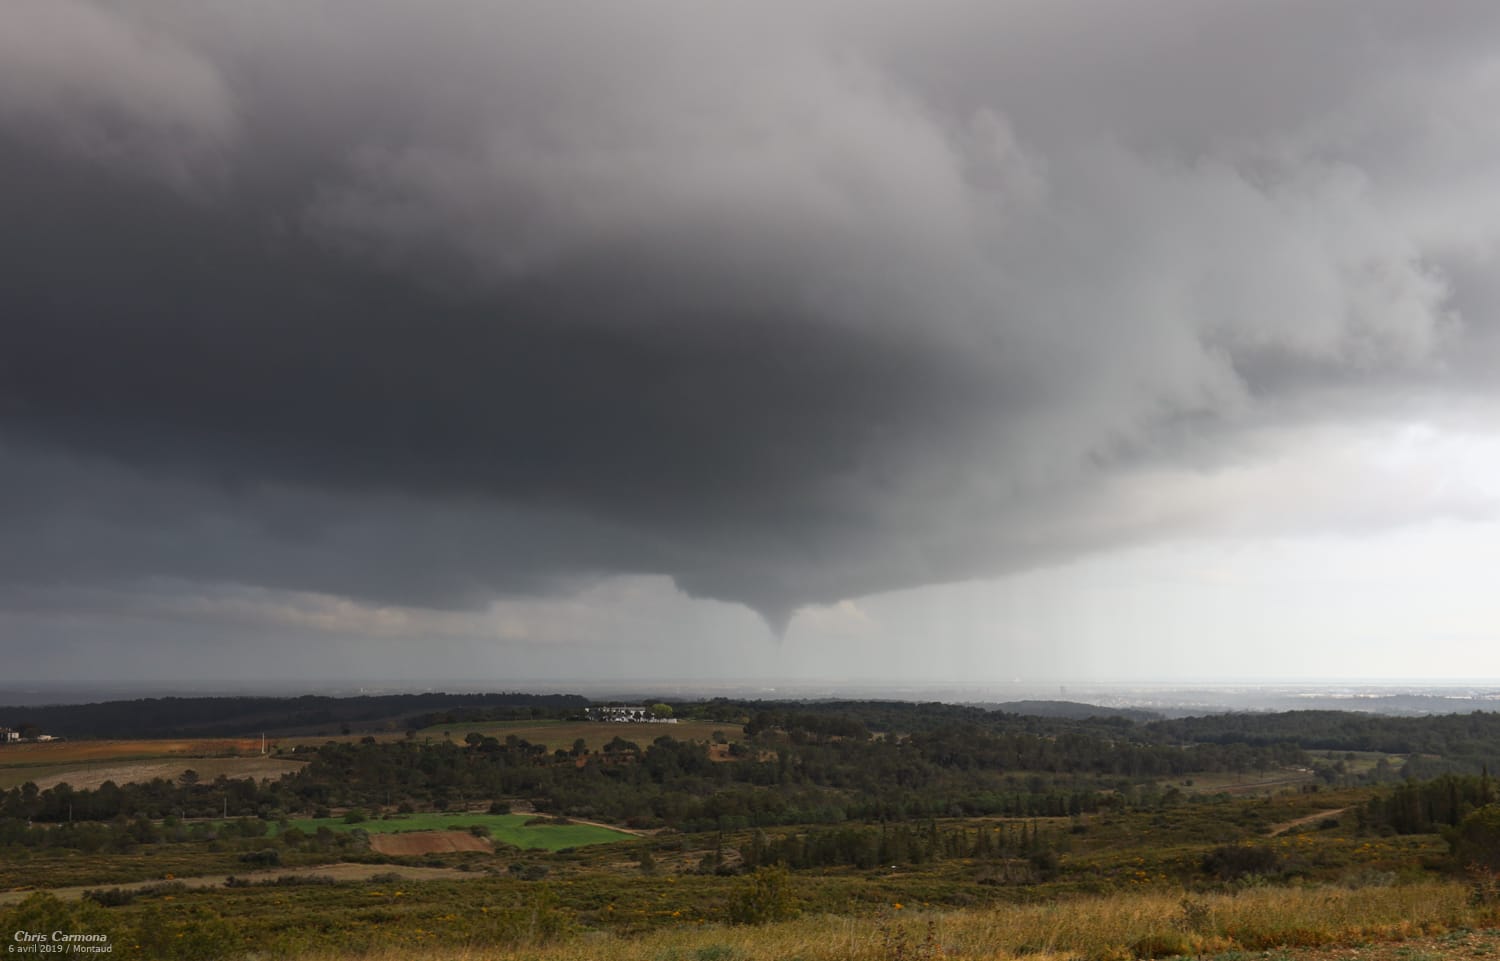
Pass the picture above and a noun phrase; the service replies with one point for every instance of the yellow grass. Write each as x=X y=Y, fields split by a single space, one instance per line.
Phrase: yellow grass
x=1105 y=929
x=59 y=752
x=93 y=774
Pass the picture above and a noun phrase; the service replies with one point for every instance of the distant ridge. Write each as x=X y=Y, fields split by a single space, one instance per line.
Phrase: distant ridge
x=153 y=717
x=1072 y=710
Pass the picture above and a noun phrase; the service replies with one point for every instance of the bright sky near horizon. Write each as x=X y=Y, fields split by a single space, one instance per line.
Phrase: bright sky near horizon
x=947 y=342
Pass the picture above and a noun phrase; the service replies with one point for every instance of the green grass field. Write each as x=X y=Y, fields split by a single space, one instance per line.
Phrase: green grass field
x=504 y=828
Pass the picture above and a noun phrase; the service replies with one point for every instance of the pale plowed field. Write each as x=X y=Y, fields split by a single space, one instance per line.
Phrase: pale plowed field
x=427 y=842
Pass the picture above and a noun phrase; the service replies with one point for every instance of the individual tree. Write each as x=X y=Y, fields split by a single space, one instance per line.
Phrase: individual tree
x=1477 y=839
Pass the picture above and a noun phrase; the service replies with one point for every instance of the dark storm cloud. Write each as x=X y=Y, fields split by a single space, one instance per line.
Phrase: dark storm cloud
x=424 y=305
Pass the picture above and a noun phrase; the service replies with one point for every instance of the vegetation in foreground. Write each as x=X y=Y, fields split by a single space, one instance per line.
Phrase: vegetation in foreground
x=889 y=831
x=382 y=920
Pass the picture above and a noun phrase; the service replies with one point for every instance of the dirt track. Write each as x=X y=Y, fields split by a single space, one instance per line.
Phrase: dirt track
x=1297 y=823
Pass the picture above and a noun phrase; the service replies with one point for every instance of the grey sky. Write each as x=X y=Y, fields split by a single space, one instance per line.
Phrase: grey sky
x=952 y=338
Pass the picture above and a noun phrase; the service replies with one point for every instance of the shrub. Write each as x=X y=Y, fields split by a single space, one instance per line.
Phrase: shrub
x=301 y=880
x=267 y=857
x=1160 y=944
x=1477 y=839
x=1230 y=862
x=113 y=897
x=1195 y=917
x=44 y=912
x=192 y=935
x=1484 y=886
x=765 y=897
x=896 y=942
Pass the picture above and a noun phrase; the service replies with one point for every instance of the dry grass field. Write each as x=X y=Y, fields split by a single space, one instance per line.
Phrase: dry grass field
x=207 y=768
x=91 y=763
x=1418 y=922
x=65 y=752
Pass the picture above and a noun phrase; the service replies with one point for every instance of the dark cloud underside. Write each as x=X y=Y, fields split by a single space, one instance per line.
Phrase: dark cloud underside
x=425 y=306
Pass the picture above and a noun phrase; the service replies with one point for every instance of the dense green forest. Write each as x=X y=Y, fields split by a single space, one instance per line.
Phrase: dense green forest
x=242 y=716
x=1436 y=744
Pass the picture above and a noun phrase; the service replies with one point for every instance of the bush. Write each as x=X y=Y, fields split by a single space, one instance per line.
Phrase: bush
x=1160 y=944
x=267 y=857
x=44 y=912
x=1233 y=861
x=499 y=807
x=1477 y=839
x=301 y=880
x=766 y=897
x=194 y=934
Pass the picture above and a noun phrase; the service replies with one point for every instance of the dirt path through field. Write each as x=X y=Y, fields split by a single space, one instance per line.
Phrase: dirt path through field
x=1286 y=826
x=637 y=832
x=524 y=807
x=342 y=871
